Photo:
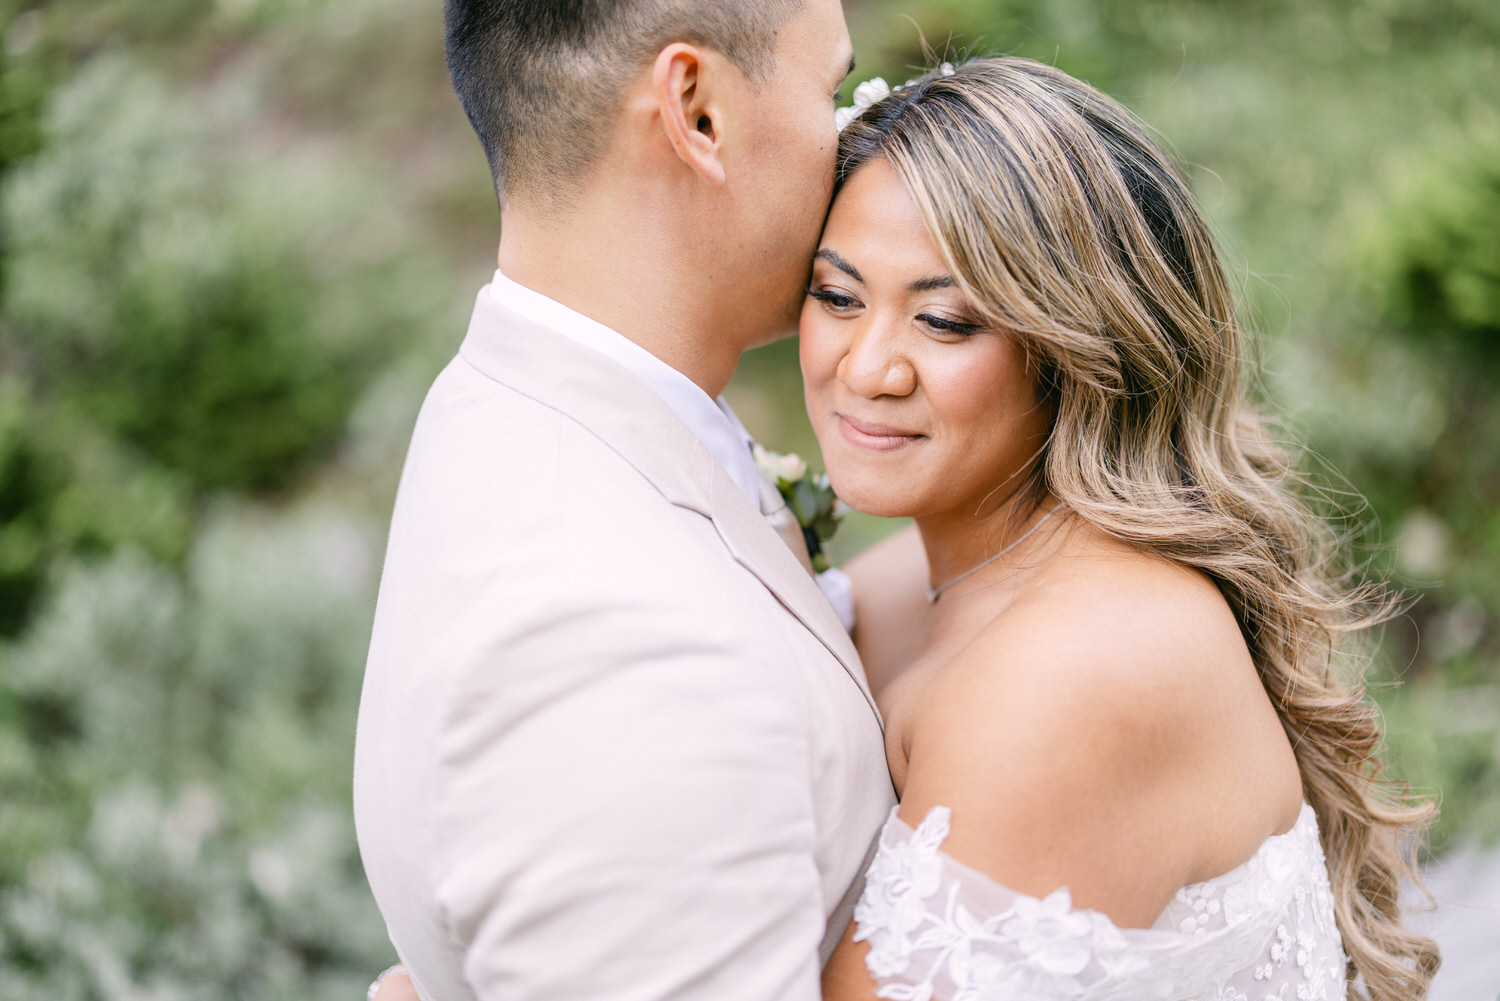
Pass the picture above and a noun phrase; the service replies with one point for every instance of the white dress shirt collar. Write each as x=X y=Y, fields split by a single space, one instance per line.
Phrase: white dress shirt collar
x=711 y=420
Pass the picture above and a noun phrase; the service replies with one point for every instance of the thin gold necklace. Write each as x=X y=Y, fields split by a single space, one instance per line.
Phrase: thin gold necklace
x=933 y=593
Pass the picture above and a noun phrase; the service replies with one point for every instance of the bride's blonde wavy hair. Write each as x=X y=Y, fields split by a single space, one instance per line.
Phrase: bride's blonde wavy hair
x=1064 y=222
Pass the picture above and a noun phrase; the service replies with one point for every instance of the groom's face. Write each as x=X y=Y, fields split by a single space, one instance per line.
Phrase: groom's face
x=788 y=167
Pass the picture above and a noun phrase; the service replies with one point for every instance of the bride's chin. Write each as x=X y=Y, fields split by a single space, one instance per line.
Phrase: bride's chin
x=874 y=501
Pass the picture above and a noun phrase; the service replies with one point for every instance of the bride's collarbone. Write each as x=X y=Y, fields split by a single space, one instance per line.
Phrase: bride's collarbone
x=936 y=634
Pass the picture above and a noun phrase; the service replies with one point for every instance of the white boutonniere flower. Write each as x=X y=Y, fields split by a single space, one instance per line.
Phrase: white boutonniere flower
x=808 y=494
x=778 y=467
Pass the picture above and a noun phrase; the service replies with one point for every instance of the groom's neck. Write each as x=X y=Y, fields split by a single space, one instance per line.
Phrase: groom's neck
x=638 y=268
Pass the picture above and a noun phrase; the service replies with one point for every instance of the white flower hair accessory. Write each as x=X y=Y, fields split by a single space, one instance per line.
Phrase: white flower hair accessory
x=865 y=95
x=872 y=92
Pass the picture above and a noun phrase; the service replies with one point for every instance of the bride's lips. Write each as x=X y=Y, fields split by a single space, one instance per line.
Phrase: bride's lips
x=879 y=437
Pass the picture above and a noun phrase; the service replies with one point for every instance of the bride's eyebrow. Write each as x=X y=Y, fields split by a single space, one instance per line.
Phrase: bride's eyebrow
x=832 y=257
x=934 y=282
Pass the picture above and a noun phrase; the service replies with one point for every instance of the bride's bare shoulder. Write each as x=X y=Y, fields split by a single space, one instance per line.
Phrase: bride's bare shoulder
x=890 y=603
x=1108 y=602
x=1114 y=633
x=1113 y=698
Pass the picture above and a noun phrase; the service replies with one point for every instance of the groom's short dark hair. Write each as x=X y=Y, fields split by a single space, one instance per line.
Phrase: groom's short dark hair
x=541 y=79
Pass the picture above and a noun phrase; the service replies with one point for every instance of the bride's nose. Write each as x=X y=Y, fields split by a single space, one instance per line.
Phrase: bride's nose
x=875 y=364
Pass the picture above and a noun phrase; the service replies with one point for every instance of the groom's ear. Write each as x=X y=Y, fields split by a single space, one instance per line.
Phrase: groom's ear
x=683 y=85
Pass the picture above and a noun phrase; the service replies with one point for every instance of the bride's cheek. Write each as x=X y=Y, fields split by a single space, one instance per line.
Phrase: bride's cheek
x=814 y=349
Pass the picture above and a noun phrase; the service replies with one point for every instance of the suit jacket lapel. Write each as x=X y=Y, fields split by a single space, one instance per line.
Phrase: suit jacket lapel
x=755 y=544
x=625 y=414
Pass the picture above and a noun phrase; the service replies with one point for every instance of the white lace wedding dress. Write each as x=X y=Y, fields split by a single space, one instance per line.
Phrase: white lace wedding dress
x=938 y=929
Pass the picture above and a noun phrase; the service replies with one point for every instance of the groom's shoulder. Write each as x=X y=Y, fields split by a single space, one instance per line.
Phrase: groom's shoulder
x=468 y=408
x=521 y=541
x=497 y=480
x=474 y=427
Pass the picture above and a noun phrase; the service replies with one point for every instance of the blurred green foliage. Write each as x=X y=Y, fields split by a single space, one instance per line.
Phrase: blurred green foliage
x=237 y=239
x=174 y=309
x=1425 y=260
x=1438 y=259
x=23 y=88
x=174 y=757
x=65 y=490
x=215 y=322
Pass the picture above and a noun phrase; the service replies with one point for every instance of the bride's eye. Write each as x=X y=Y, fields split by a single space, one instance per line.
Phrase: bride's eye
x=834 y=300
x=946 y=326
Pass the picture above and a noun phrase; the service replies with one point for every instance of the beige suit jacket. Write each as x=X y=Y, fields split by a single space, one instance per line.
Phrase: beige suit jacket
x=613 y=743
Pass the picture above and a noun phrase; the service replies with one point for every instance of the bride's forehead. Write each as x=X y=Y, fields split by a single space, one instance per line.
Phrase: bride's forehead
x=875 y=223
x=874 y=198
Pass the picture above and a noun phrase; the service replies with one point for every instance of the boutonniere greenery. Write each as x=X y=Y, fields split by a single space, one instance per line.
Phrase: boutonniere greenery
x=809 y=495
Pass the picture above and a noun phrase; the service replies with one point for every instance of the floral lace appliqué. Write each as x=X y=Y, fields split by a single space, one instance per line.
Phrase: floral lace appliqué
x=938 y=929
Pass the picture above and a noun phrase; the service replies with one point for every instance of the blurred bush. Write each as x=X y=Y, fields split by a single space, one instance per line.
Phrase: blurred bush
x=1435 y=257
x=23 y=86
x=174 y=760
x=164 y=301
x=29 y=486
x=1426 y=262
x=214 y=320
x=189 y=307
x=66 y=489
